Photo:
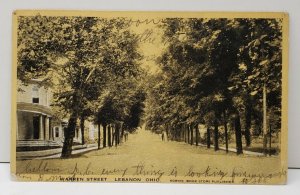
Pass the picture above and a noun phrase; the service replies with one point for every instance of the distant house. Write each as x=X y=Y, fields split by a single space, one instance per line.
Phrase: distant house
x=38 y=129
x=36 y=124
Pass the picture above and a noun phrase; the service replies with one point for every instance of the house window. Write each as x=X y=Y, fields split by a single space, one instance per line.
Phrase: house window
x=35 y=95
x=56 y=132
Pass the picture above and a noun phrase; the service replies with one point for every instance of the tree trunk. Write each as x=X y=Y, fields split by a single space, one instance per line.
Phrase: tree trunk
x=104 y=135
x=167 y=132
x=197 y=135
x=99 y=136
x=82 y=129
x=226 y=136
x=208 y=137
x=69 y=135
x=122 y=133
x=238 y=134
x=270 y=141
x=226 y=131
x=113 y=132
x=192 y=134
x=265 y=130
x=116 y=136
x=109 y=135
x=117 y=130
x=185 y=134
x=248 y=114
x=188 y=137
x=182 y=133
x=186 y=128
x=216 y=136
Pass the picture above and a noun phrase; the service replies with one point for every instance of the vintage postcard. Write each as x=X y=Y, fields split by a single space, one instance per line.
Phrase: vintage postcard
x=176 y=97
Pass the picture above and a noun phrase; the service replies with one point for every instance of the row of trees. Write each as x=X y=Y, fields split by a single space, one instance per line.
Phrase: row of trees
x=218 y=72
x=119 y=110
x=91 y=65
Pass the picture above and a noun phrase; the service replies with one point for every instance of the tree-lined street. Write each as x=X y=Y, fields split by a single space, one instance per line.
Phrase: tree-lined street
x=217 y=81
x=147 y=151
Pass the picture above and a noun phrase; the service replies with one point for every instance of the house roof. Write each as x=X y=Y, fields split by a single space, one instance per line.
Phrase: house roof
x=30 y=107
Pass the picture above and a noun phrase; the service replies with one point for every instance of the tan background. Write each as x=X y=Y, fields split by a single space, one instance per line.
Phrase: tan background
x=291 y=6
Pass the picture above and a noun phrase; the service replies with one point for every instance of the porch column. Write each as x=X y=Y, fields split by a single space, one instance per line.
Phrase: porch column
x=62 y=132
x=41 y=133
x=50 y=129
x=47 y=129
x=17 y=126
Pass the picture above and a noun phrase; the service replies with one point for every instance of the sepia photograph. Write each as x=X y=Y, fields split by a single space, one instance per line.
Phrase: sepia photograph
x=155 y=97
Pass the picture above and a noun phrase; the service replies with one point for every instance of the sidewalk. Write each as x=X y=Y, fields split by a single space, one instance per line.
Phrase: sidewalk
x=234 y=150
x=53 y=153
x=73 y=152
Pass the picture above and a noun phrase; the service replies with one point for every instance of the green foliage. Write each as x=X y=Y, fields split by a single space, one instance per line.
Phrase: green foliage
x=216 y=66
x=77 y=55
x=80 y=58
x=211 y=72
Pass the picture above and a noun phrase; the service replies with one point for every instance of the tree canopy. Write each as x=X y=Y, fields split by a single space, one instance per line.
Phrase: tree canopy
x=213 y=71
x=78 y=56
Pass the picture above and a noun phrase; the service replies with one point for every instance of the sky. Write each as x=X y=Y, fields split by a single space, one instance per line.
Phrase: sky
x=151 y=43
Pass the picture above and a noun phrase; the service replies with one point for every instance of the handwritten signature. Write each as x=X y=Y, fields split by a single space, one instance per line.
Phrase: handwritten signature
x=141 y=169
